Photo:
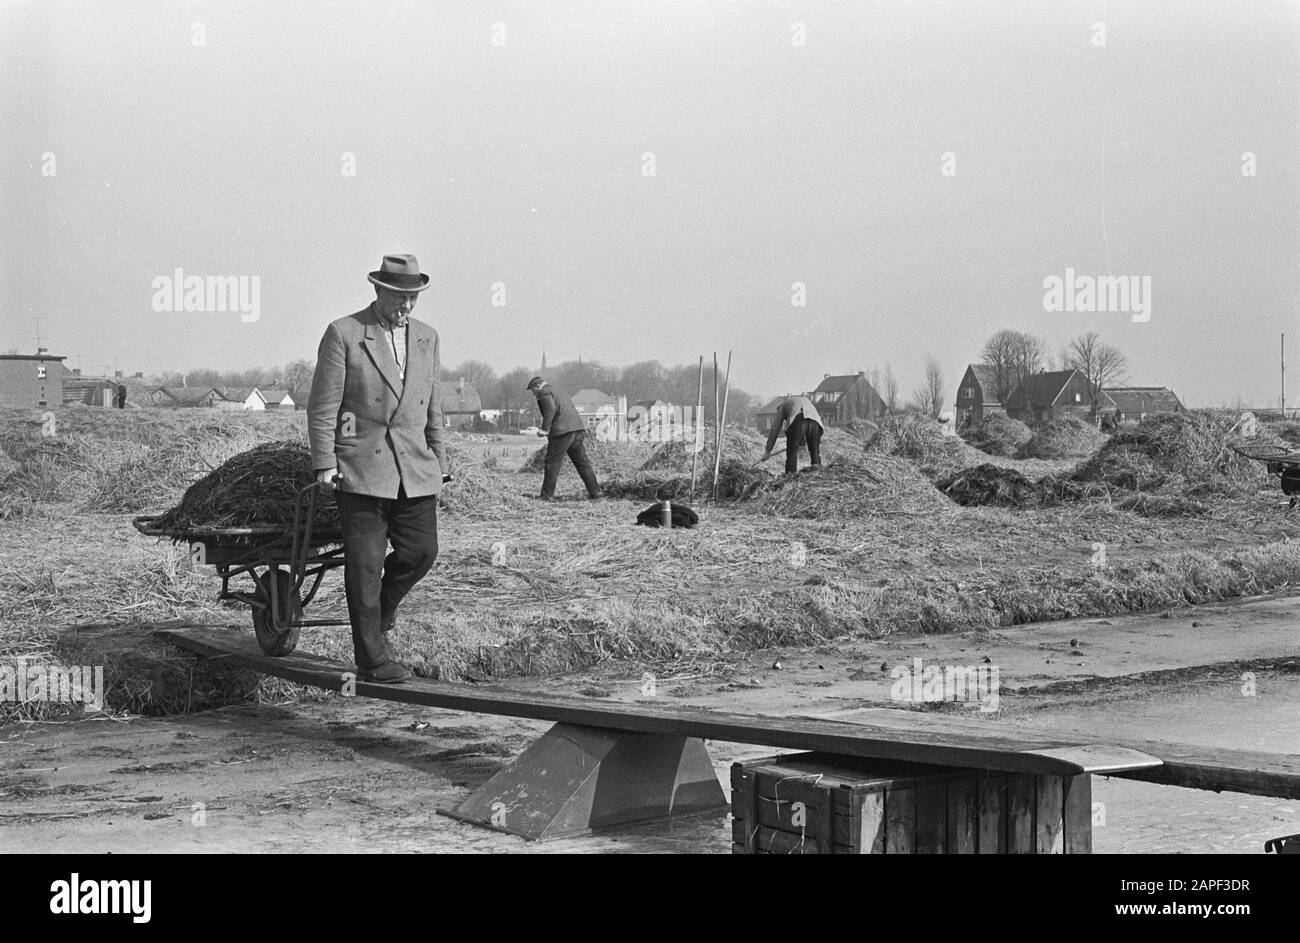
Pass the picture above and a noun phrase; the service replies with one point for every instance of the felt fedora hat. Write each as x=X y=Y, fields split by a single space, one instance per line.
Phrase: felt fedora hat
x=400 y=273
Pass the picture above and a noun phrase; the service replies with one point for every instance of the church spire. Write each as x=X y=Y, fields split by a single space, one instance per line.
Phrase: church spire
x=542 y=369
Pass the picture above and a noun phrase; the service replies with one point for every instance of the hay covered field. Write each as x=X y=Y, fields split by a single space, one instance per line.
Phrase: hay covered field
x=1159 y=515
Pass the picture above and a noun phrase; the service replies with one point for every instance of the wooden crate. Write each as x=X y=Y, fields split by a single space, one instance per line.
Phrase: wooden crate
x=814 y=803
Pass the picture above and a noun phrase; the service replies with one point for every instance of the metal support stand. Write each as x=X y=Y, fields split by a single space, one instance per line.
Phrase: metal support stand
x=575 y=779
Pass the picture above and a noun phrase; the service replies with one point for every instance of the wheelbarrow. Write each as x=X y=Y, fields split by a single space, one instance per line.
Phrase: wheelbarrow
x=1281 y=462
x=280 y=563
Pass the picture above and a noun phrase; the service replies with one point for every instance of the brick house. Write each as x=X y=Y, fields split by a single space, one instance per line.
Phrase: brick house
x=977 y=397
x=460 y=403
x=32 y=380
x=1054 y=395
x=843 y=399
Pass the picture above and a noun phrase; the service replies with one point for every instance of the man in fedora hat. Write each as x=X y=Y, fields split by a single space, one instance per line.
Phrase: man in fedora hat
x=565 y=432
x=375 y=426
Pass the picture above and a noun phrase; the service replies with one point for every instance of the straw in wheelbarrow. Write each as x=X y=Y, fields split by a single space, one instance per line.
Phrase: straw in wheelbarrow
x=255 y=488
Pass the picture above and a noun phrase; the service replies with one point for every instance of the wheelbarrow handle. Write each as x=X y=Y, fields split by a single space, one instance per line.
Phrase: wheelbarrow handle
x=1283 y=845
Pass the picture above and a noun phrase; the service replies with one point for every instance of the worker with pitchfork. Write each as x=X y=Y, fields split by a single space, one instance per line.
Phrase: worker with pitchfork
x=805 y=426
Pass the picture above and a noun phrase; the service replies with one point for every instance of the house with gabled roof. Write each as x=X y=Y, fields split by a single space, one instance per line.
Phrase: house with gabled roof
x=846 y=398
x=460 y=403
x=767 y=415
x=1138 y=402
x=185 y=396
x=1054 y=394
x=977 y=396
x=278 y=399
x=236 y=397
x=594 y=405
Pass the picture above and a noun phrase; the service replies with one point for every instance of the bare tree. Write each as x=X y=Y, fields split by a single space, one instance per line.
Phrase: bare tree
x=928 y=397
x=297 y=375
x=1013 y=357
x=480 y=375
x=1101 y=364
x=890 y=393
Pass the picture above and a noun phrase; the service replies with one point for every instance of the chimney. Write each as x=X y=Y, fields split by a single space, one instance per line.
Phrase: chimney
x=138 y=375
x=826 y=376
x=76 y=371
x=117 y=374
x=42 y=351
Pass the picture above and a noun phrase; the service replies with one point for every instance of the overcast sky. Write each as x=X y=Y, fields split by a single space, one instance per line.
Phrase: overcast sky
x=506 y=142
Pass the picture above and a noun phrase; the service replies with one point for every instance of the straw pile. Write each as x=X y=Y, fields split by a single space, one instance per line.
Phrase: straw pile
x=68 y=468
x=478 y=493
x=994 y=486
x=999 y=435
x=920 y=440
x=609 y=458
x=876 y=484
x=255 y=488
x=739 y=443
x=1186 y=451
x=737 y=481
x=1068 y=437
x=118 y=474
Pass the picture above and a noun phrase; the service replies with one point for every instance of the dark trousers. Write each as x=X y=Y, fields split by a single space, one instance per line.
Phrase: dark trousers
x=375 y=584
x=570 y=444
x=802 y=430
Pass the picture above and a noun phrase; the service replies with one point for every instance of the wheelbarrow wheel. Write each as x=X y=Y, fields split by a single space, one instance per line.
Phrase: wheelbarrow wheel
x=275 y=633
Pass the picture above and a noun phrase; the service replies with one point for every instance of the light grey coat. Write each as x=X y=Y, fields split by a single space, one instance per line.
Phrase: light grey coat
x=381 y=432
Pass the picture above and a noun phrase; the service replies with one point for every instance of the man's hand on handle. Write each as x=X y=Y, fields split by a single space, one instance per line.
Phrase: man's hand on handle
x=328 y=478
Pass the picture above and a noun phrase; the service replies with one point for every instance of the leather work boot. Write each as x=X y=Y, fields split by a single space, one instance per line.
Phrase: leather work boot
x=391 y=672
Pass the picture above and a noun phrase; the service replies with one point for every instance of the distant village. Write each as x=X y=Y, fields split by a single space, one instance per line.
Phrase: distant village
x=41 y=379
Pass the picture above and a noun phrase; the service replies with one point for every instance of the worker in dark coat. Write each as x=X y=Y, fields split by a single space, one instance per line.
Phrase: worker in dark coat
x=805 y=426
x=565 y=431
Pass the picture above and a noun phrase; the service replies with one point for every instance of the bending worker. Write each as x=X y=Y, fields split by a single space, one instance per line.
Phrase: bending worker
x=805 y=425
x=565 y=432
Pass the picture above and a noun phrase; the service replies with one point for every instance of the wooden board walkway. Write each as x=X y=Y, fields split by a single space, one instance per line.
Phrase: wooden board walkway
x=936 y=743
x=1190 y=766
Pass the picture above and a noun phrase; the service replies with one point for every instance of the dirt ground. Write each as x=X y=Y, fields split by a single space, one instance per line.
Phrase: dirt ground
x=572 y=597
x=351 y=775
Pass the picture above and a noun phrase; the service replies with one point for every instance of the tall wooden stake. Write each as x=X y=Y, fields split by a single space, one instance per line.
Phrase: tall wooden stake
x=699 y=430
x=722 y=419
x=717 y=404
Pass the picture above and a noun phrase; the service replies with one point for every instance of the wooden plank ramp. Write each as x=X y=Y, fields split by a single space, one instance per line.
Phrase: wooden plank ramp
x=937 y=743
x=1181 y=764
